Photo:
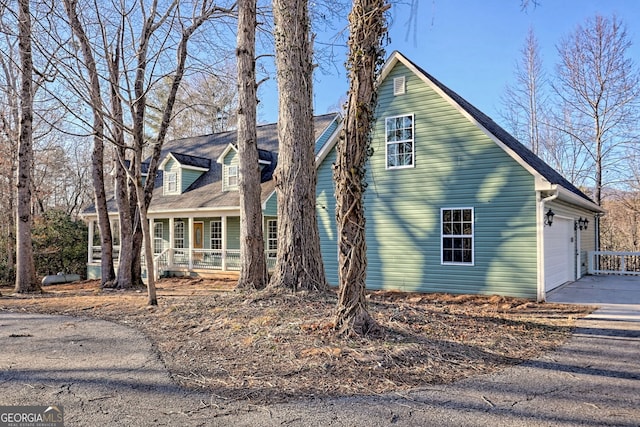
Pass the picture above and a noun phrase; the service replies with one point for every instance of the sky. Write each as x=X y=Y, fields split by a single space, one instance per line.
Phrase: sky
x=471 y=46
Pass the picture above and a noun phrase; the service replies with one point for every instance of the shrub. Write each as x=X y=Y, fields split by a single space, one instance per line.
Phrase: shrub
x=59 y=244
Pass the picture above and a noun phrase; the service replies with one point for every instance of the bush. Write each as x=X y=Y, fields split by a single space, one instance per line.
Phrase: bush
x=59 y=244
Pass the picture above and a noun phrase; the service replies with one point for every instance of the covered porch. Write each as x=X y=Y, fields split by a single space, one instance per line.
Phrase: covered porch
x=193 y=245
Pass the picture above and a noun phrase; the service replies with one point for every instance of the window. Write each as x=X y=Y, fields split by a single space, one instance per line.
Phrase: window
x=398 y=85
x=158 y=240
x=232 y=176
x=172 y=182
x=272 y=238
x=399 y=141
x=457 y=236
x=216 y=235
x=178 y=234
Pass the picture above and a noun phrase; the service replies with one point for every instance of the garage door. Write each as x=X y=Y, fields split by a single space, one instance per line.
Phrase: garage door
x=559 y=253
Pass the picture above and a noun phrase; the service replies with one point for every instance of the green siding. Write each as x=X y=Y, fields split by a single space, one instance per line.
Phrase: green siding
x=189 y=176
x=94 y=271
x=233 y=232
x=271 y=208
x=326 y=213
x=455 y=166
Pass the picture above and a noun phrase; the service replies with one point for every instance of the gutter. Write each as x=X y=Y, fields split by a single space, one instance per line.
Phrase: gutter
x=540 y=210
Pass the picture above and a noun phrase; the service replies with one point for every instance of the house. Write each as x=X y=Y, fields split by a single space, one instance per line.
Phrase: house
x=453 y=204
x=195 y=210
x=456 y=204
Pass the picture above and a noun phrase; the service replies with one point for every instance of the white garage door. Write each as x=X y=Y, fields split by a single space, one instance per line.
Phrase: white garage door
x=558 y=253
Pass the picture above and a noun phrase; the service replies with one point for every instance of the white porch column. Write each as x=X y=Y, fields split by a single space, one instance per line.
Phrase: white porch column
x=90 y=242
x=190 y=243
x=171 y=240
x=152 y=238
x=224 y=243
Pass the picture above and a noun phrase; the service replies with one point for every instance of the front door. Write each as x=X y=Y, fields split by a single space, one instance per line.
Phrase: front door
x=198 y=239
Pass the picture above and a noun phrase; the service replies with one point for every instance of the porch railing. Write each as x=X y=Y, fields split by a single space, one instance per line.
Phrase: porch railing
x=203 y=259
x=613 y=262
x=96 y=253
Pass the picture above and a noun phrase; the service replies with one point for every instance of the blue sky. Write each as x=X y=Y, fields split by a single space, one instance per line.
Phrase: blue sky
x=472 y=46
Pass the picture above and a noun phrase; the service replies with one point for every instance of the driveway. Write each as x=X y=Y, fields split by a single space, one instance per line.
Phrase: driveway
x=108 y=374
x=618 y=297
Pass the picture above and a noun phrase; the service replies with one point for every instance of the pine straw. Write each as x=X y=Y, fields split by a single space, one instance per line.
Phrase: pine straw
x=272 y=346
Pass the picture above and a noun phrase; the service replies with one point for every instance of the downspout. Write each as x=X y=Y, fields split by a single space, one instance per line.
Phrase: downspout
x=540 y=239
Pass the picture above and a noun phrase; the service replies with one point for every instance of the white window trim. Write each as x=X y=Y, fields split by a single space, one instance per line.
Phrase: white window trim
x=272 y=239
x=472 y=236
x=387 y=143
x=229 y=175
x=158 y=240
x=168 y=182
x=176 y=238
x=211 y=238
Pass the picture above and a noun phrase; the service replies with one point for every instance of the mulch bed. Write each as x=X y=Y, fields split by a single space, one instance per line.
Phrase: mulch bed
x=272 y=346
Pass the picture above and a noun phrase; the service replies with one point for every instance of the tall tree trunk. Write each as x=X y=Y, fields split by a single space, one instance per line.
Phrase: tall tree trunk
x=136 y=263
x=125 y=271
x=253 y=272
x=97 y=158
x=299 y=262
x=367 y=29
x=26 y=280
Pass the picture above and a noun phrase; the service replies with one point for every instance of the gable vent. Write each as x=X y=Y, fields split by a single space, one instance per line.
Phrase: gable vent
x=398 y=85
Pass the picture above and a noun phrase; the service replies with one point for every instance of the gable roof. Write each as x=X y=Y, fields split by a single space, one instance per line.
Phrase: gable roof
x=547 y=178
x=205 y=193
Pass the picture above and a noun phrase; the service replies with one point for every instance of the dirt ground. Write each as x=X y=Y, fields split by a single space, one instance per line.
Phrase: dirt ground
x=271 y=347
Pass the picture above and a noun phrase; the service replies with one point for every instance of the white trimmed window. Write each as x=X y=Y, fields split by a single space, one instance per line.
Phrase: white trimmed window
x=272 y=238
x=178 y=234
x=172 y=182
x=216 y=235
x=457 y=235
x=232 y=176
x=158 y=240
x=399 y=141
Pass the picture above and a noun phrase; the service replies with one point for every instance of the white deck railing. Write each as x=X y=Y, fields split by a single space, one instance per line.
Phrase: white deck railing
x=613 y=262
x=201 y=259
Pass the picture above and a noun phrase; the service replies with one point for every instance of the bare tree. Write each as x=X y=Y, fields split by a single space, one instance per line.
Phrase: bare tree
x=154 y=20
x=97 y=158
x=599 y=85
x=367 y=25
x=253 y=266
x=10 y=130
x=206 y=103
x=26 y=280
x=526 y=100
x=299 y=261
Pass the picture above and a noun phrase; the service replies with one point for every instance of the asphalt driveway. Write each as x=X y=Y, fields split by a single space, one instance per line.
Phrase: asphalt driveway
x=108 y=374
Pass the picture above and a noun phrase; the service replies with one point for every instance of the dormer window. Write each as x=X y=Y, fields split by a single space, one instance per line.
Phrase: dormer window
x=181 y=170
x=172 y=182
x=232 y=176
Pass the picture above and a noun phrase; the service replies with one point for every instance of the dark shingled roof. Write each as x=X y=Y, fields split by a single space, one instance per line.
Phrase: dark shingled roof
x=188 y=160
x=505 y=137
x=206 y=191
